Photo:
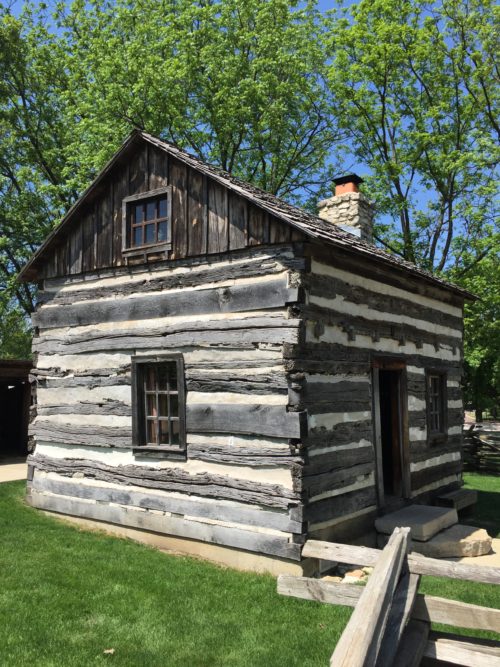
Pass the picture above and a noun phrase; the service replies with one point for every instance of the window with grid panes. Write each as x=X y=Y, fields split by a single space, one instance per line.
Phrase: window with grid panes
x=436 y=406
x=147 y=219
x=158 y=402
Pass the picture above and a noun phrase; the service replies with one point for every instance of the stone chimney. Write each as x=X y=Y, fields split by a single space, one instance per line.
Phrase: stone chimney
x=349 y=209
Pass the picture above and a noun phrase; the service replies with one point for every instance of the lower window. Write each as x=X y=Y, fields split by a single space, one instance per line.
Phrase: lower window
x=158 y=400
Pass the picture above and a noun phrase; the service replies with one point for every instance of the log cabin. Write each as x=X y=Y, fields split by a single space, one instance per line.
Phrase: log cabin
x=228 y=375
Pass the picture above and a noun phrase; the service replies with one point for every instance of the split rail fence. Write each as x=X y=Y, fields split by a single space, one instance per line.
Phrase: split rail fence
x=390 y=624
x=482 y=450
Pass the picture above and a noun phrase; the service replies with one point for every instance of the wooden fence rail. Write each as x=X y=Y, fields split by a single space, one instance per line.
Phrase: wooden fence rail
x=390 y=625
x=482 y=450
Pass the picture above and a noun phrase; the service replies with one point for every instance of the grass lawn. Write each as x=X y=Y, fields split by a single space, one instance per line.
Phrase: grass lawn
x=67 y=595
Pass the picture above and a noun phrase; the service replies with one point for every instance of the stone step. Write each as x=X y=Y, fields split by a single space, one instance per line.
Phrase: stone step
x=423 y=520
x=459 y=541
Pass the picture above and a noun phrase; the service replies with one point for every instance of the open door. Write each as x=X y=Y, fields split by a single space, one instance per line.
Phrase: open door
x=391 y=431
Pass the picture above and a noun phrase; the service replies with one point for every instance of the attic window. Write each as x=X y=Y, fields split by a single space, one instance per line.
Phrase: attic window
x=147 y=220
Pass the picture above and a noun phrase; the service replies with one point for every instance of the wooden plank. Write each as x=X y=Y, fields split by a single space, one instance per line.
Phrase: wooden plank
x=138 y=172
x=178 y=179
x=158 y=168
x=260 y=419
x=88 y=247
x=417 y=564
x=221 y=511
x=456 y=652
x=238 y=216
x=120 y=190
x=279 y=231
x=399 y=615
x=197 y=213
x=258 y=226
x=412 y=645
x=427 y=608
x=104 y=250
x=82 y=434
x=273 y=293
x=336 y=507
x=217 y=218
x=360 y=642
x=168 y=525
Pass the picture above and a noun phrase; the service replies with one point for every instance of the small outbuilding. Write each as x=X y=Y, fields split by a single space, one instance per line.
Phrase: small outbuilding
x=15 y=399
x=233 y=374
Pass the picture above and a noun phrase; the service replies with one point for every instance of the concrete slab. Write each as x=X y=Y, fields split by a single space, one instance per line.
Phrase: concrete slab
x=423 y=520
x=456 y=542
x=10 y=472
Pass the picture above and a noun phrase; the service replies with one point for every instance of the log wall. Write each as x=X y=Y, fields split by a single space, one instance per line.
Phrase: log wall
x=240 y=483
x=352 y=317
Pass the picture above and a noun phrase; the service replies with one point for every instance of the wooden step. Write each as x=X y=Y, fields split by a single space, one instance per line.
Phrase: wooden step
x=459 y=499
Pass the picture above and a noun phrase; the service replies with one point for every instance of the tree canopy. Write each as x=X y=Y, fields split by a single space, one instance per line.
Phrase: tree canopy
x=276 y=92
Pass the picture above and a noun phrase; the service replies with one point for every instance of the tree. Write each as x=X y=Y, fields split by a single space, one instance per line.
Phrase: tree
x=413 y=84
x=238 y=83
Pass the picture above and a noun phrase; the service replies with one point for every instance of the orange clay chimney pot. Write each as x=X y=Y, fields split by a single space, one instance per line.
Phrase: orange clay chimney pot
x=345 y=187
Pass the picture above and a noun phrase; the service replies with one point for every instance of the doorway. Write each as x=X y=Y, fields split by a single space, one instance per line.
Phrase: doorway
x=391 y=431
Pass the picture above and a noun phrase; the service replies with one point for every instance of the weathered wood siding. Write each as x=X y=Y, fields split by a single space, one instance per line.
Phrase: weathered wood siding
x=353 y=316
x=230 y=318
x=206 y=218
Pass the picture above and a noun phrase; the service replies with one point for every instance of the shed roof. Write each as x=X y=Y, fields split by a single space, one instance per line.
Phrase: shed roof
x=308 y=223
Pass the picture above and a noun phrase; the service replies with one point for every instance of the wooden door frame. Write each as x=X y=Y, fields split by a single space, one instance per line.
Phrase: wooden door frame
x=391 y=364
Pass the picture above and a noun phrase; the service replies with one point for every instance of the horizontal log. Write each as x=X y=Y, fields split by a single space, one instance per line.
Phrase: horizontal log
x=167 y=525
x=345 y=553
x=305 y=352
x=321 y=285
x=222 y=511
x=427 y=607
x=233 y=418
x=376 y=329
x=322 y=397
x=341 y=505
x=244 y=338
x=273 y=293
x=334 y=479
x=175 y=479
x=343 y=433
x=336 y=459
x=246 y=456
x=88 y=381
x=434 y=474
x=82 y=434
x=259 y=383
x=204 y=275
x=109 y=407
x=288 y=255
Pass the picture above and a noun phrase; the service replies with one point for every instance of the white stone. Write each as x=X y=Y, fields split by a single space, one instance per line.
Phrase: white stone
x=456 y=542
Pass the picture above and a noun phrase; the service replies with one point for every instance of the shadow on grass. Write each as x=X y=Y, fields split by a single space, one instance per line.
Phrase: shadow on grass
x=486 y=513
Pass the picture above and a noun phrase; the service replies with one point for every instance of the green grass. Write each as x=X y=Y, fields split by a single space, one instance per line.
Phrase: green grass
x=67 y=595
x=487 y=511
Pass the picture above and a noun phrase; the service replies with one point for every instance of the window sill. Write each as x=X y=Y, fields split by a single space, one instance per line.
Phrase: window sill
x=151 y=452
x=146 y=249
